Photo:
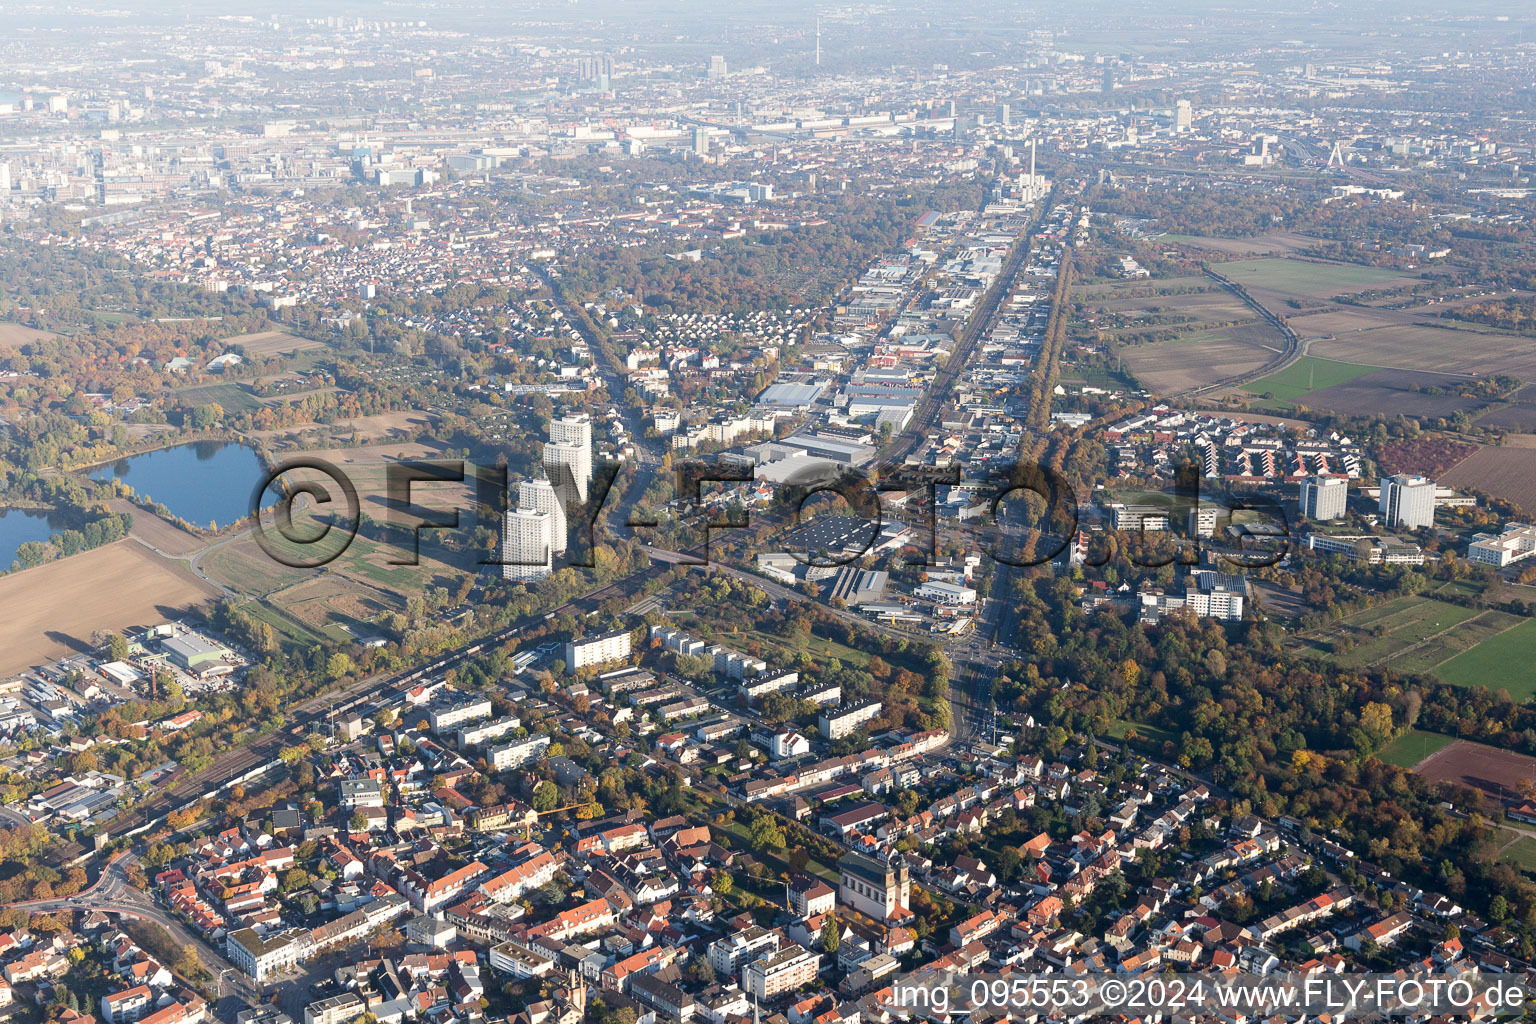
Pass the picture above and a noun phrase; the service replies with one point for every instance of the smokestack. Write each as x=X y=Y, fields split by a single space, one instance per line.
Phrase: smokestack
x=1031 y=161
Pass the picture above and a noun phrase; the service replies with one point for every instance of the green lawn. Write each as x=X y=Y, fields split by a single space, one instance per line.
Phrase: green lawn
x=818 y=647
x=287 y=627
x=1412 y=747
x=1306 y=375
x=1300 y=277
x=1120 y=728
x=1522 y=853
x=1502 y=662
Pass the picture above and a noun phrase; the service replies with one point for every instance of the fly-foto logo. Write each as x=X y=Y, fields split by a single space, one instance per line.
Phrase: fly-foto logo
x=1017 y=514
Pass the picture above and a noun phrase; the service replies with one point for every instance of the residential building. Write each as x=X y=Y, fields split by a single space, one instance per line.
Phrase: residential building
x=539 y=495
x=518 y=753
x=728 y=954
x=845 y=719
x=1407 y=502
x=527 y=545
x=777 y=973
x=568 y=456
x=448 y=716
x=127 y=1005
x=337 y=1009
x=263 y=956
x=587 y=651
x=1324 y=497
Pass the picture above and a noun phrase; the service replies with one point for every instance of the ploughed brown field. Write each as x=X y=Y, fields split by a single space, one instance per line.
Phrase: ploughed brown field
x=266 y=343
x=1508 y=473
x=1385 y=392
x=14 y=336
x=1499 y=773
x=1519 y=414
x=50 y=611
x=1169 y=366
x=1336 y=321
x=1433 y=349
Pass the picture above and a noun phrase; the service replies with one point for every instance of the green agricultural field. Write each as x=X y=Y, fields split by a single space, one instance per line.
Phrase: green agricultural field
x=1306 y=375
x=1501 y=662
x=232 y=397
x=1300 y=277
x=1413 y=746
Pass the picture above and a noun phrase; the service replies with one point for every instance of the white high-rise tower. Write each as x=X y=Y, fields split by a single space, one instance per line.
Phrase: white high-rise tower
x=1407 y=502
x=568 y=456
x=525 y=545
x=539 y=494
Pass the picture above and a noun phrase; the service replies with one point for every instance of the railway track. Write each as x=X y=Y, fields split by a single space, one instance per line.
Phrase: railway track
x=1289 y=355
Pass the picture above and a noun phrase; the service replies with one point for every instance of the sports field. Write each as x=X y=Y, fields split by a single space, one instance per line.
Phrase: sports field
x=1521 y=853
x=1501 y=662
x=1306 y=375
x=1463 y=646
x=1502 y=774
x=1413 y=746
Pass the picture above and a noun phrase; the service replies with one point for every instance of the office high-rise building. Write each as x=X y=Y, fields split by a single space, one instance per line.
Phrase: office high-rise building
x=1004 y=115
x=1324 y=497
x=717 y=67
x=5 y=181
x=1109 y=81
x=568 y=456
x=540 y=495
x=701 y=141
x=1407 y=501
x=525 y=545
x=1183 y=115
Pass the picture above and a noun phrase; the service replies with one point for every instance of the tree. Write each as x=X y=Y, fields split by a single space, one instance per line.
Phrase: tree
x=1498 y=909
x=765 y=833
x=359 y=822
x=1008 y=863
x=830 y=935
x=545 y=796
x=205 y=416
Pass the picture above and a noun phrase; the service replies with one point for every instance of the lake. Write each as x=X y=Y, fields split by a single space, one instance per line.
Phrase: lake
x=203 y=482
x=20 y=525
